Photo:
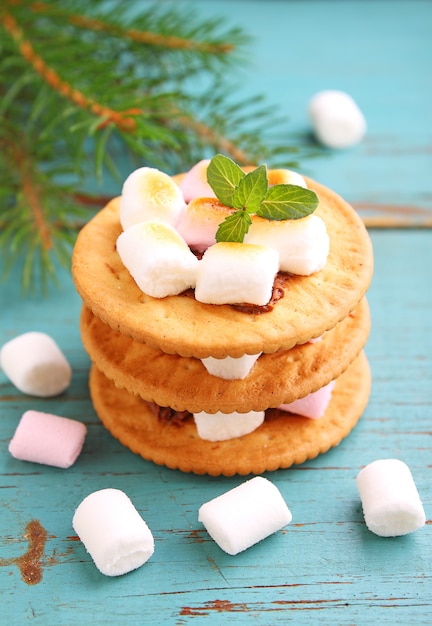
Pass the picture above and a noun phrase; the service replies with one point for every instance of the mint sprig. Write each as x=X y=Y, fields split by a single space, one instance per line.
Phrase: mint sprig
x=250 y=193
x=251 y=190
x=224 y=175
x=234 y=227
x=287 y=202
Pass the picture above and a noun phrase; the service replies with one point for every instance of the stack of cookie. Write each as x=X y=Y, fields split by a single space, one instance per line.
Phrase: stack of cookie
x=148 y=380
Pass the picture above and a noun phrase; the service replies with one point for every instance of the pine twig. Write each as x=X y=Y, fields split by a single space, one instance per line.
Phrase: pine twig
x=32 y=196
x=51 y=77
x=211 y=136
x=144 y=37
x=70 y=80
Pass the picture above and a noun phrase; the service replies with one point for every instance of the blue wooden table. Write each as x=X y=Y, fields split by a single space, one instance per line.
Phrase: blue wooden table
x=325 y=567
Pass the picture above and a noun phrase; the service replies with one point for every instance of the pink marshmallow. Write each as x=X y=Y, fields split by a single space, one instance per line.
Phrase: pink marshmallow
x=47 y=439
x=194 y=183
x=316 y=339
x=314 y=405
x=200 y=221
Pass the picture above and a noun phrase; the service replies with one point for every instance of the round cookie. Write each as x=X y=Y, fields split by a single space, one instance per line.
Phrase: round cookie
x=181 y=325
x=183 y=383
x=281 y=441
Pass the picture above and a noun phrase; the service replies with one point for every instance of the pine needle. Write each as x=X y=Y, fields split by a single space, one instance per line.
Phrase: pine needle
x=86 y=88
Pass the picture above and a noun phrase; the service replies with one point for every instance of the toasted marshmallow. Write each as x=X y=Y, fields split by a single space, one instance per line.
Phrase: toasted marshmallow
x=336 y=119
x=158 y=259
x=230 y=368
x=222 y=426
x=149 y=194
x=194 y=183
x=285 y=177
x=313 y=405
x=200 y=220
x=303 y=244
x=231 y=273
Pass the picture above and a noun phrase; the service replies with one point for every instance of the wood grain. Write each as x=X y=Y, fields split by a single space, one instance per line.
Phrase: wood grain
x=325 y=567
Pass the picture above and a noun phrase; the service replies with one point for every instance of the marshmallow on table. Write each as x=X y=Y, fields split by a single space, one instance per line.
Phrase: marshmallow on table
x=303 y=244
x=200 y=220
x=47 y=439
x=194 y=183
x=222 y=426
x=149 y=194
x=336 y=119
x=34 y=363
x=245 y=515
x=231 y=273
x=390 y=500
x=313 y=405
x=113 y=532
x=158 y=259
x=230 y=368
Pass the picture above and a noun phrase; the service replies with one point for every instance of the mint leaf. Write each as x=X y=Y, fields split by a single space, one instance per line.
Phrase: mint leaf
x=251 y=190
x=288 y=202
x=234 y=227
x=223 y=176
x=250 y=193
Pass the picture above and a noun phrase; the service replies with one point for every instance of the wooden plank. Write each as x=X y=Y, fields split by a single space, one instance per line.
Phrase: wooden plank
x=325 y=560
x=325 y=565
x=380 y=53
x=379 y=216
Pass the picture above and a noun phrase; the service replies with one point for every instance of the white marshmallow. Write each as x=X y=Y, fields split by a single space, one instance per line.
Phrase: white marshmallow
x=222 y=426
x=194 y=183
x=313 y=405
x=230 y=368
x=231 y=273
x=113 y=532
x=336 y=119
x=285 y=177
x=34 y=363
x=241 y=517
x=149 y=194
x=47 y=439
x=303 y=244
x=200 y=220
x=157 y=258
x=390 y=500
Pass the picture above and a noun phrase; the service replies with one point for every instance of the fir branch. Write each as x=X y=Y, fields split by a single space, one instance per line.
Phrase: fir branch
x=212 y=137
x=30 y=197
x=122 y=119
x=33 y=198
x=145 y=37
x=93 y=90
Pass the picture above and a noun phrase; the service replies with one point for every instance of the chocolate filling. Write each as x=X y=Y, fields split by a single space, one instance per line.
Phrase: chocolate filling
x=167 y=415
x=278 y=292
